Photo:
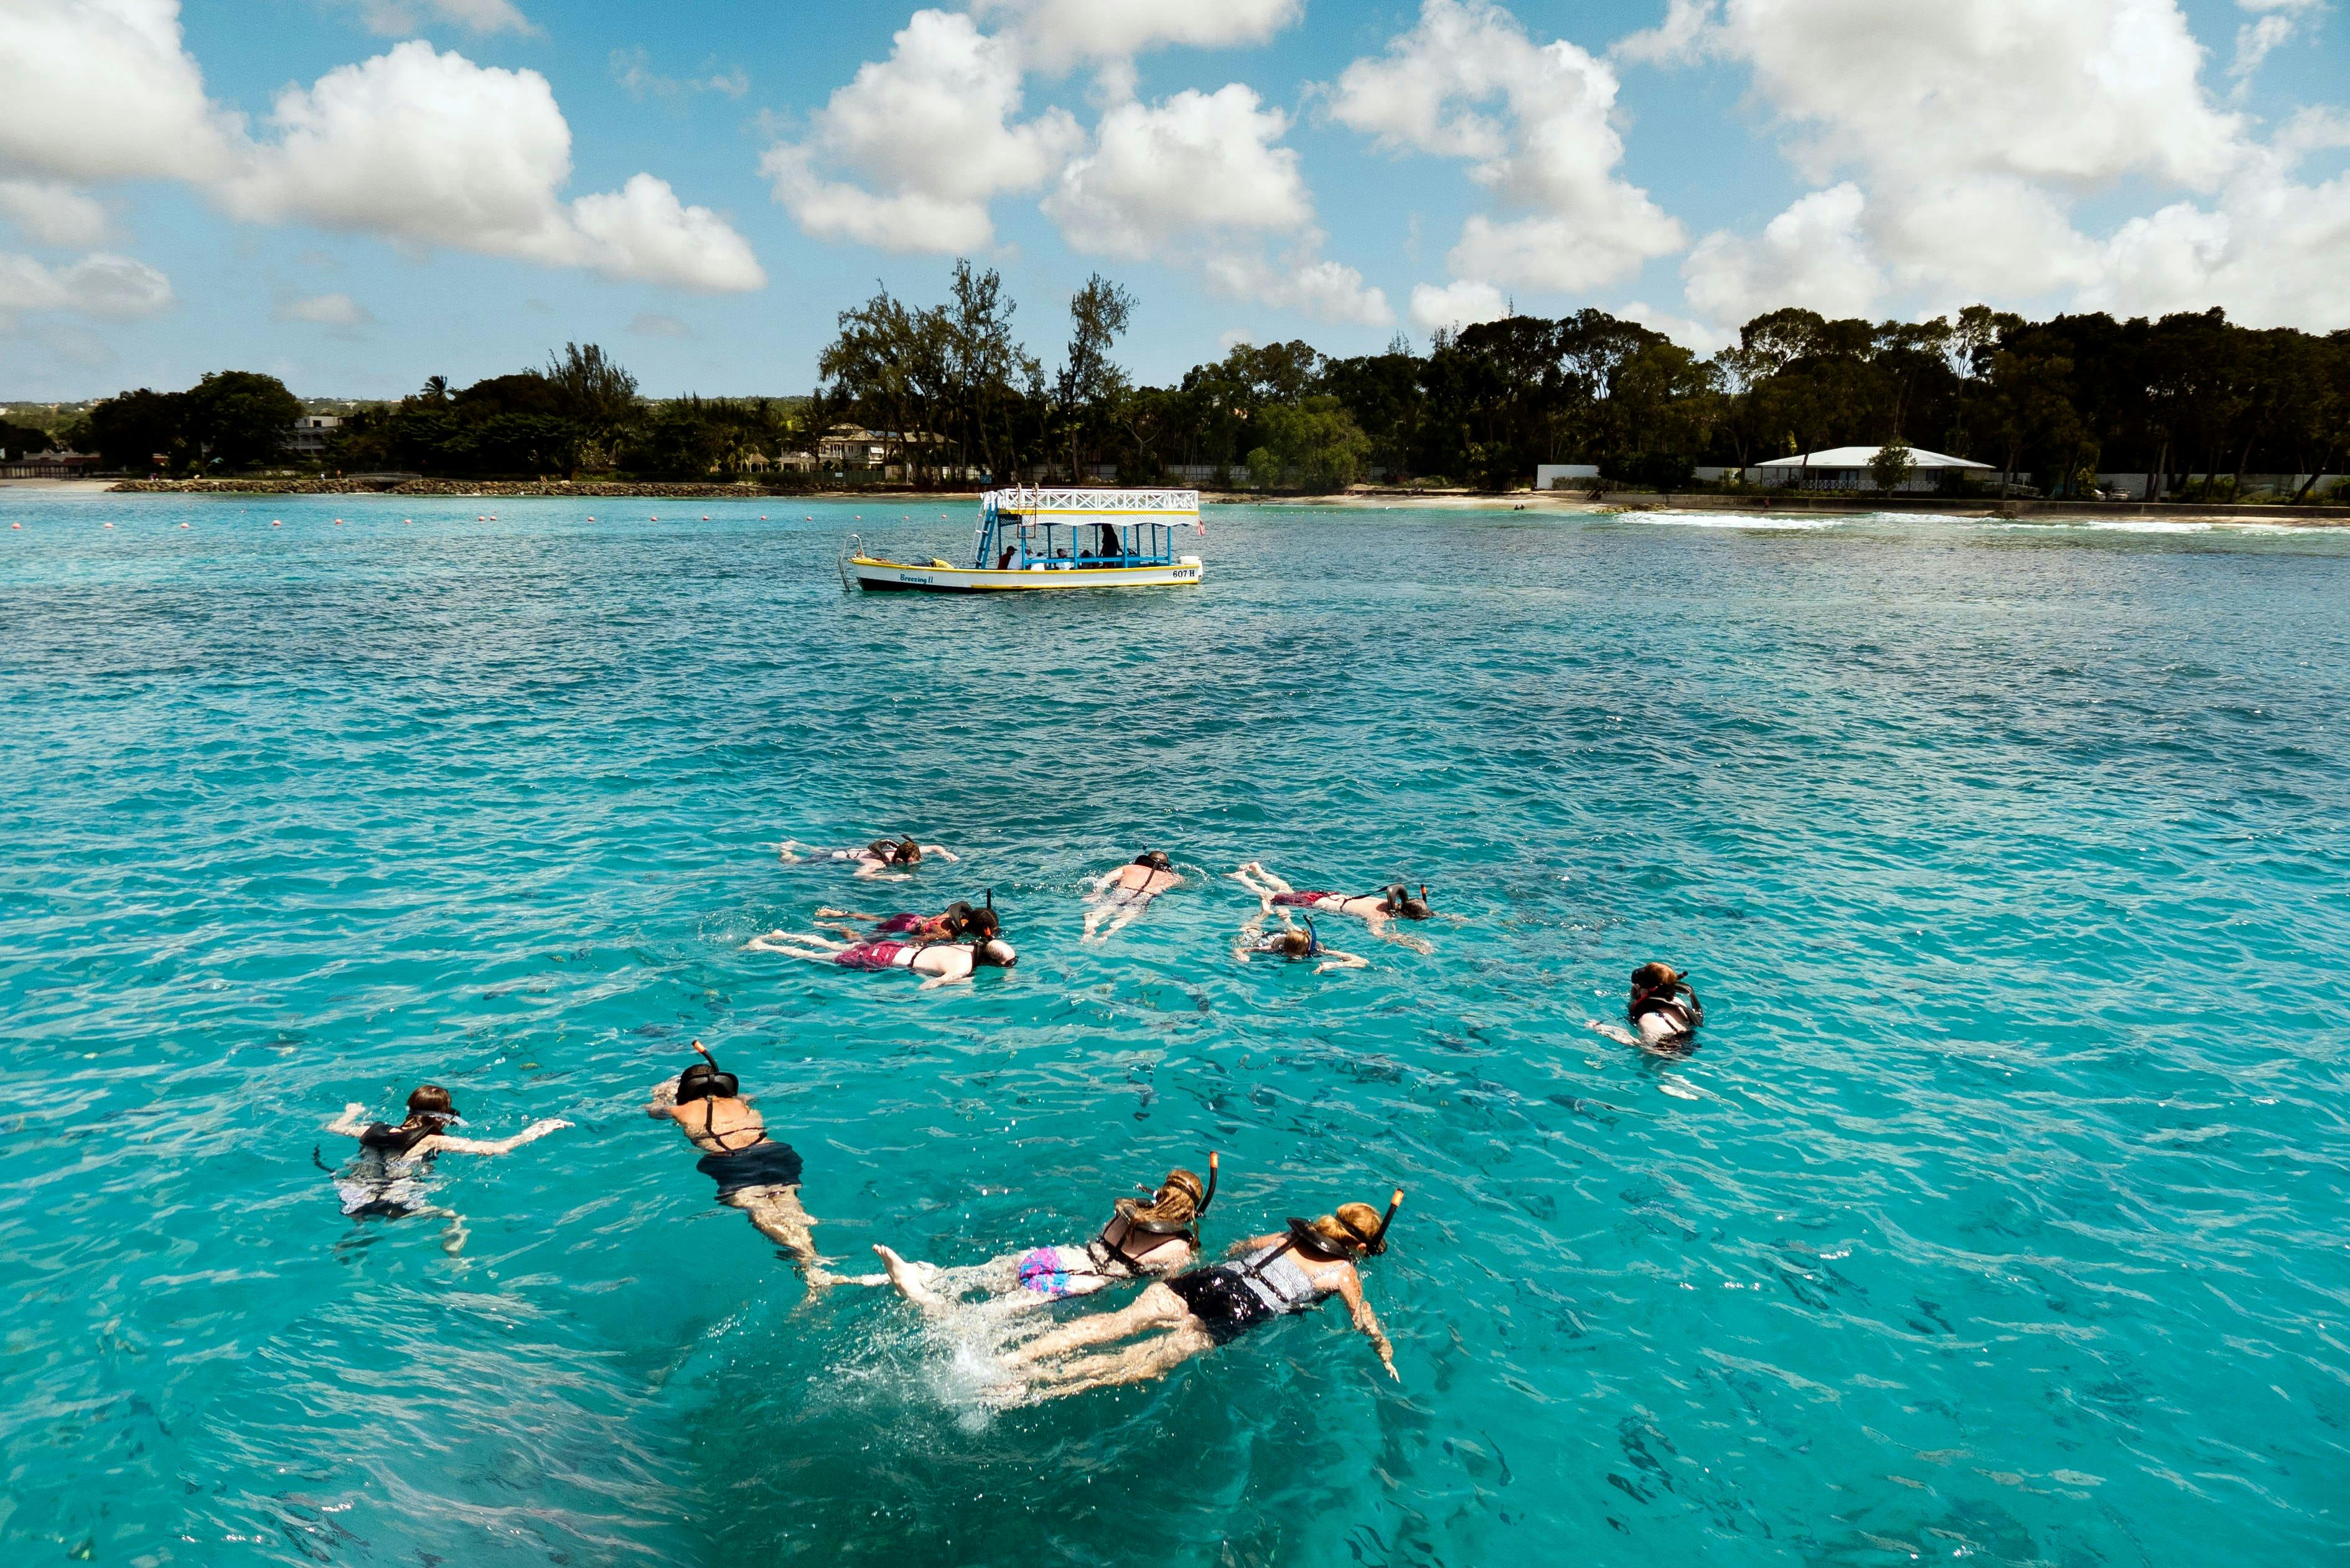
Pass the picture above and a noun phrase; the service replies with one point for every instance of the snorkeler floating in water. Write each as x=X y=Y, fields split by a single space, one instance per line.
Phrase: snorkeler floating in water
x=1142 y=1239
x=1291 y=943
x=945 y=963
x=1378 y=911
x=1664 y=1009
x=755 y=1172
x=1118 y=896
x=385 y=1180
x=1177 y=1319
x=883 y=860
x=957 y=922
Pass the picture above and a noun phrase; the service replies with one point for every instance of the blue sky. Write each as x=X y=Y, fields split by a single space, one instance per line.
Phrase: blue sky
x=1263 y=169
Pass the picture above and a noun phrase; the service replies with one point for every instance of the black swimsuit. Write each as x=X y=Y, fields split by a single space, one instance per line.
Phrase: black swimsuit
x=1230 y=1299
x=765 y=1163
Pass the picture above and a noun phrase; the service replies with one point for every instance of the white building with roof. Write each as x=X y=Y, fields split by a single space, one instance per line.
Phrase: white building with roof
x=1847 y=468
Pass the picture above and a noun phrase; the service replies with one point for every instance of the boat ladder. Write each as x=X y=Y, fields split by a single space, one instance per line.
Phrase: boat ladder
x=850 y=548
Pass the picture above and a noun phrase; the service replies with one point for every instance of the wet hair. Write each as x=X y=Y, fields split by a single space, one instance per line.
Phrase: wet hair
x=1155 y=859
x=1652 y=978
x=896 y=851
x=430 y=1100
x=981 y=923
x=957 y=916
x=992 y=950
x=704 y=1082
x=1400 y=901
x=1177 y=1202
x=1355 y=1227
x=1290 y=944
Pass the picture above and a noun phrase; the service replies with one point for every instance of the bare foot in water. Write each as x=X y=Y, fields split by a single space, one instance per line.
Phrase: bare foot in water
x=907 y=1278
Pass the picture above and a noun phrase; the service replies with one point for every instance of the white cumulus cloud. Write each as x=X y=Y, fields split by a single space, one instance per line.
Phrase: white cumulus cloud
x=325 y=311
x=1456 y=304
x=1200 y=179
x=101 y=89
x=110 y=286
x=1055 y=34
x=49 y=212
x=406 y=19
x=1535 y=123
x=931 y=133
x=1812 y=254
x=417 y=146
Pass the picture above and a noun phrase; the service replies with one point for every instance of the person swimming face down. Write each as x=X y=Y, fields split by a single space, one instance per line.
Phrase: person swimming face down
x=901 y=852
x=1399 y=902
x=1155 y=860
x=1663 y=1006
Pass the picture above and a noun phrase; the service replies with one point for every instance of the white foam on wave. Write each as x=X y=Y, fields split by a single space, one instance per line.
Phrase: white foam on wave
x=1742 y=519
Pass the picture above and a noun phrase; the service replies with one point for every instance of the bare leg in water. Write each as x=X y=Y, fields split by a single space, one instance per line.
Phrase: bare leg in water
x=1156 y=1307
x=1153 y=1357
x=777 y=1214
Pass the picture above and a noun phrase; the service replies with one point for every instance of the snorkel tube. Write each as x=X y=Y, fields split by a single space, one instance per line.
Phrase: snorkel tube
x=1210 y=1196
x=706 y=1080
x=1379 y=1243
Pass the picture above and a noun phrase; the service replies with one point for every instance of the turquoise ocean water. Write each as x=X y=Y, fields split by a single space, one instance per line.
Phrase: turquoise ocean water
x=2001 y=1216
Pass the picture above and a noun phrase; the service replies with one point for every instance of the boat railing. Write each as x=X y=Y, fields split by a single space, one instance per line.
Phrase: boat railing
x=851 y=548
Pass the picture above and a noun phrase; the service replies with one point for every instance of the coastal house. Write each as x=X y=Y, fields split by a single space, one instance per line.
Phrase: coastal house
x=846 y=447
x=1847 y=468
x=48 y=465
x=307 y=437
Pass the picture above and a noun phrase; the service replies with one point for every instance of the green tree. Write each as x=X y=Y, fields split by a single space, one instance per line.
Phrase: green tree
x=1893 y=465
x=1090 y=382
x=237 y=419
x=141 y=430
x=1313 y=444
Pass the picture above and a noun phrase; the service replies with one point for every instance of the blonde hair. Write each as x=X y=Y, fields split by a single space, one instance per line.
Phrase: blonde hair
x=1177 y=1201
x=1352 y=1227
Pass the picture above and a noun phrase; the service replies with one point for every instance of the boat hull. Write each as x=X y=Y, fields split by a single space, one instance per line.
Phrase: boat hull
x=897 y=577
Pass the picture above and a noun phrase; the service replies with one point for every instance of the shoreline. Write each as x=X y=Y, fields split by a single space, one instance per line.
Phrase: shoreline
x=1361 y=497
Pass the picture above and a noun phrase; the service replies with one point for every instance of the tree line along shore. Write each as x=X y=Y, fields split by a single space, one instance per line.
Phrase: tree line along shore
x=947 y=396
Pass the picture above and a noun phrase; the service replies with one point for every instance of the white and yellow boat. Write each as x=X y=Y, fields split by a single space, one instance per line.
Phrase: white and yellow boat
x=1034 y=538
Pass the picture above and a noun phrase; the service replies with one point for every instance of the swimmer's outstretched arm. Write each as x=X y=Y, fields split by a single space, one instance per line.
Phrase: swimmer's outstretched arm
x=788 y=851
x=1337 y=959
x=664 y=1099
x=943 y=853
x=530 y=1134
x=1102 y=882
x=349 y=1123
x=1350 y=1290
x=824 y=912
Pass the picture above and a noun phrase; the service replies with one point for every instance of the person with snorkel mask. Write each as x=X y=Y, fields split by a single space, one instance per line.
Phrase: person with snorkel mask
x=1291 y=943
x=1664 y=1009
x=755 y=1173
x=1174 y=1320
x=883 y=860
x=943 y=962
x=1378 y=911
x=957 y=922
x=386 y=1179
x=1142 y=1239
x=1118 y=896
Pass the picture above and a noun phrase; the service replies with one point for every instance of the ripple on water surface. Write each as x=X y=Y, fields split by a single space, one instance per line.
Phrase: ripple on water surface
x=1998 y=1216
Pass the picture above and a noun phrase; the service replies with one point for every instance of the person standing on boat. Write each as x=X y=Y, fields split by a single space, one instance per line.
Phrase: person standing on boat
x=386 y=1179
x=945 y=963
x=1378 y=911
x=1119 y=896
x=883 y=860
x=755 y=1173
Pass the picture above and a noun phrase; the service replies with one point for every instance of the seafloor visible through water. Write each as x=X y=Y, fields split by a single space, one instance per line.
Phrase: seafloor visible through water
x=2001 y=1214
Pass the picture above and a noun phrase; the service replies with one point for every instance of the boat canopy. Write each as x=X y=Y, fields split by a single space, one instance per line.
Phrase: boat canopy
x=1030 y=528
